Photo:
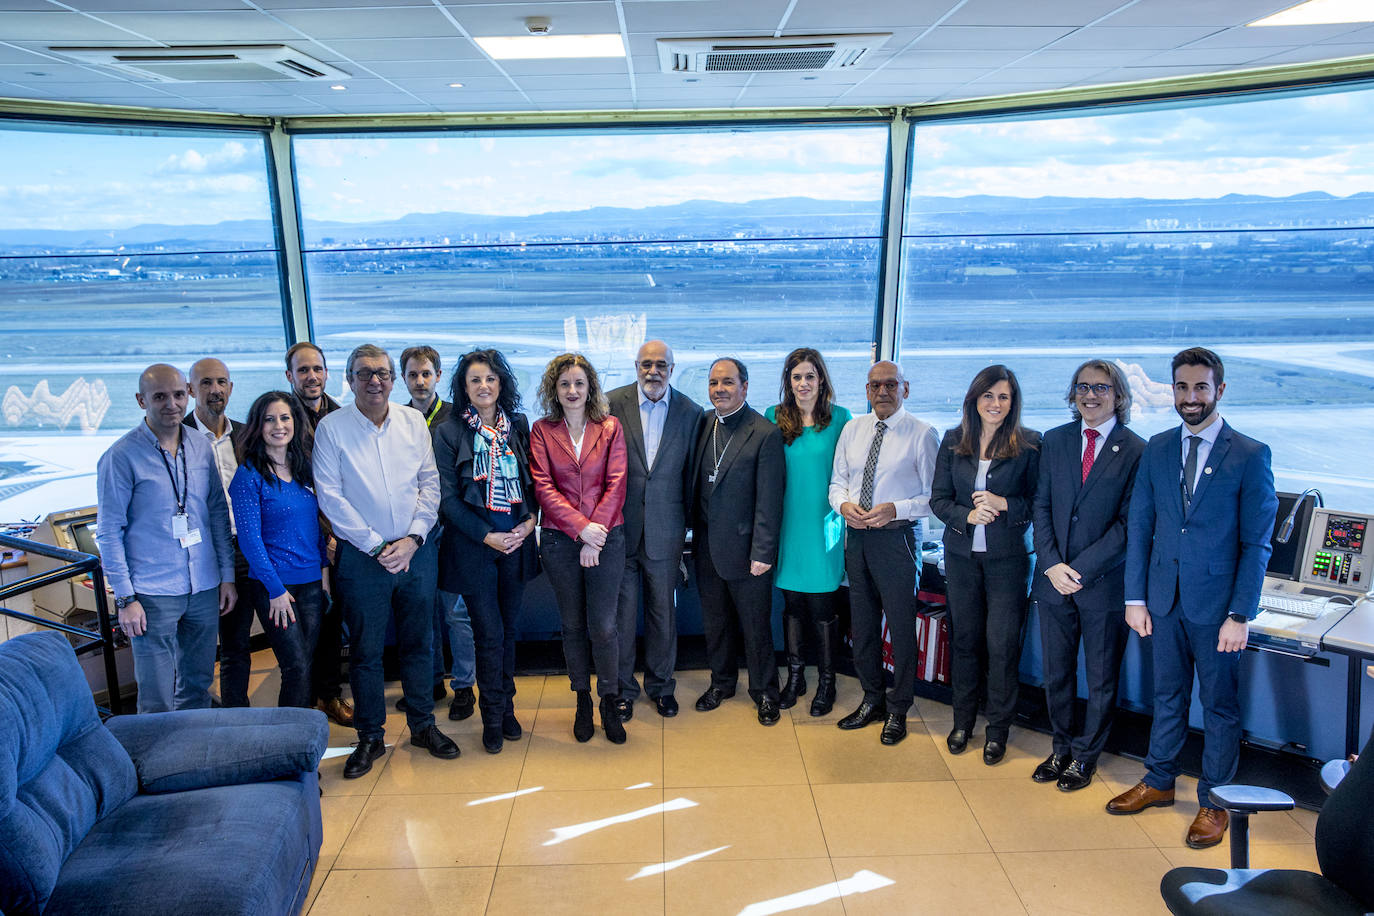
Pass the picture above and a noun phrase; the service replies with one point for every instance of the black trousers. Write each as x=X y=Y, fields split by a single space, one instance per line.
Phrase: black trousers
x=587 y=609
x=326 y=668
x=494 y=597
x=731 y=609
x=882 y=565
x=987 y=613
x=1103 y=632
x=235 y=632
x=657 y=581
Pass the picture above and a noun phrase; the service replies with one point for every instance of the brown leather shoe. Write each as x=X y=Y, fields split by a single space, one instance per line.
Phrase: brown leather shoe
x=1208 y=828
x=338 y=709
x=1139 y=797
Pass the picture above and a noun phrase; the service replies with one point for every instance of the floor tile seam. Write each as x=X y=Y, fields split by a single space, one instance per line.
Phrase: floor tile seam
x=969 y=805
x=351 y=827
x=1010 y=883
x=1084 y=848
x=409 y=868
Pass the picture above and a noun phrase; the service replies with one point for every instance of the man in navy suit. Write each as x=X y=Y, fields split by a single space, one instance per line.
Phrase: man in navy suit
x=1087 y=469
x=1197 y=543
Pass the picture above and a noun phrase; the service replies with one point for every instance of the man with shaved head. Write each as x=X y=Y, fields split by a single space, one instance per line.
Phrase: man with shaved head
x=880 y=483
x=165 y=545
x=210 y=388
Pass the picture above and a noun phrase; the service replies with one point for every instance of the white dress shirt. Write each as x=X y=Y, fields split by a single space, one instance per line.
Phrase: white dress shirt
x=1204 y=448
x=376 y=484
x=906 y=463
x=1104 y=429
x=225 y=460
x=652 y=416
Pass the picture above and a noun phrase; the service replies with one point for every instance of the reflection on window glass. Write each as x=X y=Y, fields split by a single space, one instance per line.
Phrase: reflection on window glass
x=741 y=242
x=1245 y=227
x=118 y=251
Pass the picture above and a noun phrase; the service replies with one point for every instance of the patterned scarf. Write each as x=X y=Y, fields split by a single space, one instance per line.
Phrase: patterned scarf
x=493 y=461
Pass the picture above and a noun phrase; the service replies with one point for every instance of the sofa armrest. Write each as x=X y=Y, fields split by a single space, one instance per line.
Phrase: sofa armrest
x=200 y=748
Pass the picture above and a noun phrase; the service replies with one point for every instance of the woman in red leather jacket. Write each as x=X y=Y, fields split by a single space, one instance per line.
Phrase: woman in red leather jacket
x=578 y=462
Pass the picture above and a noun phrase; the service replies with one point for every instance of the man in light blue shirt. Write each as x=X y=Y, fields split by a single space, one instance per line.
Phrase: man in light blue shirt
x=165 y=546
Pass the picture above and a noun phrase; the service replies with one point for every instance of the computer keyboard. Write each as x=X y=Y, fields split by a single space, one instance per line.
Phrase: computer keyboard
x=1286 y=604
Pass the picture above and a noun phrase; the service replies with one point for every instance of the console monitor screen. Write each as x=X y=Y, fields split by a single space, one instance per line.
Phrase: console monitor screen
x=84 y=535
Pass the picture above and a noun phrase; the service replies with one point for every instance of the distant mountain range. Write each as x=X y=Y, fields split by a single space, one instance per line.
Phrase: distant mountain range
x=788 y=216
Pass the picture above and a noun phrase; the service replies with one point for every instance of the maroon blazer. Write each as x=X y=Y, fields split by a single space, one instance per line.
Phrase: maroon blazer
x=574 y=492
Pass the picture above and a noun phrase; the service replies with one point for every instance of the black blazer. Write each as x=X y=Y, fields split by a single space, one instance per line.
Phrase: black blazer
x=462 y=505
x=664 y=491
x=1083 y=522
x=237 y=432
x=745 y=515
x=1014 y=479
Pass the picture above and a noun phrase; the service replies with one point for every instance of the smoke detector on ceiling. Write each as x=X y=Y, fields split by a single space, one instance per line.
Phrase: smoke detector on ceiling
x=797 y=53
x=208 y=63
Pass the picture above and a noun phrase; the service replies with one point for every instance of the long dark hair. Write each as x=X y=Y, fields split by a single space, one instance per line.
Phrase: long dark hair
x=1010 y=437
x=548 y=388
x=788 y=416
x=508 y=399
x=297 y=450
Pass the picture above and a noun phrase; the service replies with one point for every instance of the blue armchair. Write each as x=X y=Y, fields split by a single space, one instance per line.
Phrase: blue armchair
x=210 y=811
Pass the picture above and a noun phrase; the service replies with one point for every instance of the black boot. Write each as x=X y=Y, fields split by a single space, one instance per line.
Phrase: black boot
x=792 y=629
x=583 y=728
x=824 y=700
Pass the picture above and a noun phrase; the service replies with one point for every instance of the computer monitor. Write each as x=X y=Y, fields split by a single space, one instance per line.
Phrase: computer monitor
x=1287 y=559
x=71 y=529
x=1340 y=552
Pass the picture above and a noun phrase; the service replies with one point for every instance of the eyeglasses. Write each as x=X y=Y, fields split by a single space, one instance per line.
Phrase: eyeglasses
x=649 y=364
x=884 y=385
x=367 y=375
x=1099 y=389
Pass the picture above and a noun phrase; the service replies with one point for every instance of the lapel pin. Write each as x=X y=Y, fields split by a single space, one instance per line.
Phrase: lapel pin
x=1116 y=448
x=1206 y=470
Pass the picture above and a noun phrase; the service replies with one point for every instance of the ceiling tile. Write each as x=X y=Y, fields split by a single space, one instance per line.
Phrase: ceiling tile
x=408 y=49
x=1204 y=58
x=59 y=28
x=201 y=28
x=1067 y=76
x=727 y=17
x=982 y=38
x=1310 y=54
x=100 y=7
x=397 y=22
x=1214 y=13
x=824 y=16
x=920 y=57
x=1111 y=38
x=1274 y=36
x=448 y=70
x=1363 y=35
x=570 y=68
x=1019 y=12
x=440 y=85
x=1053 y=57
x=569 y=18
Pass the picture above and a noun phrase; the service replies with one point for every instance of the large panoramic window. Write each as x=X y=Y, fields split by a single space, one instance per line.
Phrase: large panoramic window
x=120 y=249
x=1244 y=226
x=741 y=242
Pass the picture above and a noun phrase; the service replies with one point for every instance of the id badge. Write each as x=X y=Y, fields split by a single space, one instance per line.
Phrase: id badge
x=181 y=525
x=190 y=539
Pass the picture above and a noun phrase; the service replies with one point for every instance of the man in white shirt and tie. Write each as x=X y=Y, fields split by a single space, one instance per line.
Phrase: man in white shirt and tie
x=377 y=484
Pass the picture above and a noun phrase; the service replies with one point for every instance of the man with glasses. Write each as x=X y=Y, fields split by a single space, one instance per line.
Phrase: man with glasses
x=1087 y=469
x=660 y=425
x=377 y=485
x=884 y=465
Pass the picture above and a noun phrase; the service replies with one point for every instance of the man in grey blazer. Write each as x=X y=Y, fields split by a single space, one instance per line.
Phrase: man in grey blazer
x=660 y=426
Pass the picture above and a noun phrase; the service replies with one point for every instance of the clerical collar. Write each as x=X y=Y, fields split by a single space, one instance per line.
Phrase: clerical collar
x=729 y=419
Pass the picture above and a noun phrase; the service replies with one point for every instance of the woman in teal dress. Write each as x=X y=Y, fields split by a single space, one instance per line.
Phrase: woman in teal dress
x=811 y=552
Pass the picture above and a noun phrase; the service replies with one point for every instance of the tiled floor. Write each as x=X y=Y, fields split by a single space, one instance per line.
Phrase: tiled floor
x=711 y=813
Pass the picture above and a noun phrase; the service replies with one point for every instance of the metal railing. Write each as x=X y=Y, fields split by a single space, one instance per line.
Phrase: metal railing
x=77 y=564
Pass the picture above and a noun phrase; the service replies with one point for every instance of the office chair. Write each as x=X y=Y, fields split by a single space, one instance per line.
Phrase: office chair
x=1345 y=852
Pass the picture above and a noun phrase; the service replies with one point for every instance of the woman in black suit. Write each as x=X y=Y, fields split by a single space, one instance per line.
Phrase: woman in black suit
x=488 y=509
x=985 y=477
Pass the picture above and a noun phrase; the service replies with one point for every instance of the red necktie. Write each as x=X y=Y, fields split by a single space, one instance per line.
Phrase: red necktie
x=1088 y=453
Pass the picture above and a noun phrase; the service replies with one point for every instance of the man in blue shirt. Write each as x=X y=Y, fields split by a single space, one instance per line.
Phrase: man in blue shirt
x=165 y=545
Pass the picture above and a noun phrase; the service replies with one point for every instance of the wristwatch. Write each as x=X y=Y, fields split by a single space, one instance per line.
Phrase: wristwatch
x=1239 y=618
x=419 y=541
x=121 y=603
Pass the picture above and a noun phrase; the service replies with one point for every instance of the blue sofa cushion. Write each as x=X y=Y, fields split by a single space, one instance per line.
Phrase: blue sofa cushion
x=60 y=770
x=226 y=850
x=200 y=748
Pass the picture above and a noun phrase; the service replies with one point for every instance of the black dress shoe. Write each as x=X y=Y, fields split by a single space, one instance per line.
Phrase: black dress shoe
x=510 y=727
x=625 y=708
x=1078 y=775
x=994 y=751
x=712 y=698
x=769 y=712
x=894 y=729
x=492 y=742
x=666 y=705
x=462 y=705
x=867 y=713
x=359 y=763
x=957 y=742
x=1052 y=768
x=436 y=742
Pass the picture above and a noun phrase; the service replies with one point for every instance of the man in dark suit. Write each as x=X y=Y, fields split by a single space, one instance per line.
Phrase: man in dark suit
x=739 y=477
x=1087 y=469
x=1197 y=543
x=209 y=385
x=660 y=426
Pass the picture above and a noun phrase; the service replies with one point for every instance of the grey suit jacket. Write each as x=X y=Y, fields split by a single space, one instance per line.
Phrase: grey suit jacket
x=663 y=492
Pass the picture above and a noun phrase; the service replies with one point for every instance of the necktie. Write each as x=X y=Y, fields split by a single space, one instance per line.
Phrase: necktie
x=871 y=468
x=1089 y=453
x=1190 y=469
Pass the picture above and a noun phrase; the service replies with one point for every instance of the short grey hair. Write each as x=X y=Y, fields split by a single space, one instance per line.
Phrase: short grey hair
x=368 y=351
x=1121 y=389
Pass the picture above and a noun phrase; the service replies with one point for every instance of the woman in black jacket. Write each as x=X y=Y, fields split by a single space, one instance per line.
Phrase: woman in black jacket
x=985 y=477
x=488 y=510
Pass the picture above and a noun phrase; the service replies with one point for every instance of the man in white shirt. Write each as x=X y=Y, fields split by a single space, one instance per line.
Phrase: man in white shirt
x=210 y=387
x=377 y=484
x=884 y=464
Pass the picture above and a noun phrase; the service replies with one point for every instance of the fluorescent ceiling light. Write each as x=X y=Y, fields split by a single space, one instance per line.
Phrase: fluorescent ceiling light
x=1322 y=12
x=534 y=47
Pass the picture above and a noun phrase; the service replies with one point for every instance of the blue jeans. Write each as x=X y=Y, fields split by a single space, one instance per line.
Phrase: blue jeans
x=371 y=597
x=293 y=645
x=174 y=659
x=454 y=613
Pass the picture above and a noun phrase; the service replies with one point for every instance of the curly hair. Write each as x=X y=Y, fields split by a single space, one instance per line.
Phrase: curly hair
x=597 y=409
x=508 y=399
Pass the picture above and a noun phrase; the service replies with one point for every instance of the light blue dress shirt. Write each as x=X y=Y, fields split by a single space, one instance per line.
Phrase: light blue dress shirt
x=652 y=416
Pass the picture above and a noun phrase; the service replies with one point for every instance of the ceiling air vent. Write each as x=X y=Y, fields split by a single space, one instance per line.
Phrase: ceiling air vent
x=766 y=55
x=208 y=63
